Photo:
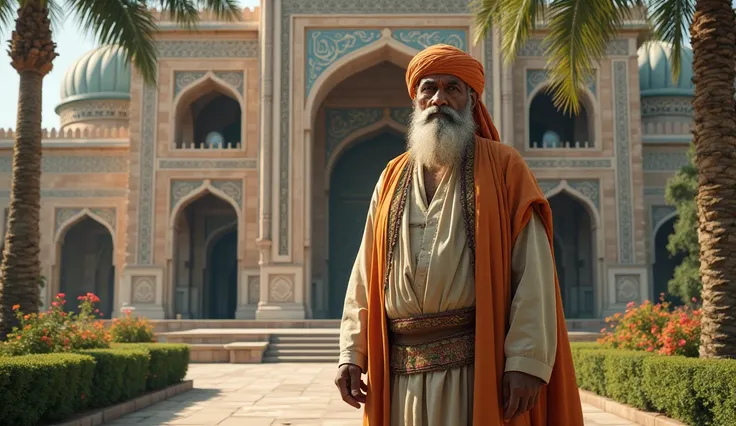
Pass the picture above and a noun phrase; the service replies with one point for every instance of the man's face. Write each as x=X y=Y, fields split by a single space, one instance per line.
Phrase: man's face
x=443 y=90
x=442 y=122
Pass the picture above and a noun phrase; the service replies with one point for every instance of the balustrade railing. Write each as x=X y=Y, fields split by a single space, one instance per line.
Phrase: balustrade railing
x=562 y=145
x=200 y=146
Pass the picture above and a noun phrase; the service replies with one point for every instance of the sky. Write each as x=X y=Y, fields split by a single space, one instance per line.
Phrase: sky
x=71 y=44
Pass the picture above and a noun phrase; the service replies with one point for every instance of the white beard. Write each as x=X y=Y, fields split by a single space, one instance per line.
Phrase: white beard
x=440 y=141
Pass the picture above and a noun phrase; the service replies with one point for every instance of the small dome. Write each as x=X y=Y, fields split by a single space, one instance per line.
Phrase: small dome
x=100 y=74
x=655 y=70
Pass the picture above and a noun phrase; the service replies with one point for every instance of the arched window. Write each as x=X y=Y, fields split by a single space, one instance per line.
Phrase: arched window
x=551 y=128
x=208 y=117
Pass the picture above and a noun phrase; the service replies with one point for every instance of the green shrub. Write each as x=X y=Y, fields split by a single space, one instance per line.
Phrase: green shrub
x=623 y=377
x=119 y=375
x=47 y=387
x=695 y=391
x=589 y=370
x=668 y=383
x=715 y=386
x=169 y=363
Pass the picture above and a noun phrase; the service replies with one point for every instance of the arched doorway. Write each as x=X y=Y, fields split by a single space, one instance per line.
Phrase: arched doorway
x=221 y=276
x=551 y=128
x=665 y=263
x=206 y=259
x=352 y=182
x=86 y=264
x=574 y=254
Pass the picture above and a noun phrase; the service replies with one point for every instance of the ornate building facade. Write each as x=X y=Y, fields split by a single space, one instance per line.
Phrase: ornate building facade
x=237 y=186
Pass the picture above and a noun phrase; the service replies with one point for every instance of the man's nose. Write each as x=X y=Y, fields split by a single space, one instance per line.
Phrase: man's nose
x=439 y=99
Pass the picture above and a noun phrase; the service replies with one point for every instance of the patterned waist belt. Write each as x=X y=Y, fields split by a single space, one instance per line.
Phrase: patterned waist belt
x=432 y=342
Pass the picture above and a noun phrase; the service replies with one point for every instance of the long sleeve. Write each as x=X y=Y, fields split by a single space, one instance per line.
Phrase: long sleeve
x=531 y=342
x=353 y=339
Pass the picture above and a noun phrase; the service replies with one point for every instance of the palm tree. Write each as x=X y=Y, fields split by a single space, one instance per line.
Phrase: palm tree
x=579 y=31
x=128 y=23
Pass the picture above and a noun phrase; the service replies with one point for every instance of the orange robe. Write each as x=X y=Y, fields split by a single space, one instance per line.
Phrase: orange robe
x=506 y=195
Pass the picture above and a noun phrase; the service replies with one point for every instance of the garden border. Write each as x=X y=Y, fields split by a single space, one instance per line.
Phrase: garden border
x=626 y=412
x=107 y=414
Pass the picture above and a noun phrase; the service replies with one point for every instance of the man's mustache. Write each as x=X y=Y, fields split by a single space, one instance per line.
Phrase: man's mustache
x=440 y=111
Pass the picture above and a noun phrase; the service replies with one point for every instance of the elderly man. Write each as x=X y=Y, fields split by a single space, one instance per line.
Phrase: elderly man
x=453 y=308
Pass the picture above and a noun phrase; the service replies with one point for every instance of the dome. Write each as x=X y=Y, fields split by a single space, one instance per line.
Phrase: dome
x=100 y=74
x=655 y=70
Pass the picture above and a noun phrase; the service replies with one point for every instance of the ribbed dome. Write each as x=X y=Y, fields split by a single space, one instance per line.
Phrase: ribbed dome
x=99 y=74
x=655 y=70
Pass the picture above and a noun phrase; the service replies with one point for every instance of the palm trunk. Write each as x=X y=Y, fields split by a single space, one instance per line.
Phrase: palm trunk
x=32 y=52
x=713 y=35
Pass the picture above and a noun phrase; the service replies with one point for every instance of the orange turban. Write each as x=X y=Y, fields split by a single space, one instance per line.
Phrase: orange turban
x=445 y=59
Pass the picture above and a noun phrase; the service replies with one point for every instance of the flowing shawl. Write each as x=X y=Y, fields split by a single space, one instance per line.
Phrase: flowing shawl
x=503 y=194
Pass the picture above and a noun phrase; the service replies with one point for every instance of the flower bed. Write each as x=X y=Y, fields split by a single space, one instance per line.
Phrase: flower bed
x=59 y=363
x=694 y=391
x=655 y=328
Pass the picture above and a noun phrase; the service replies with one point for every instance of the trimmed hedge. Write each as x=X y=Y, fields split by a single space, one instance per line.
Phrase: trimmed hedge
x=36 y=389
x=169 y=362
x=120 y=374
x=48 y=387
x=694 y=391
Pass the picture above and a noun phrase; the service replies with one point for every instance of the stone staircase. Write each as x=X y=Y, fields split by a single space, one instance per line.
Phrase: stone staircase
x=247 y=342
x=312 y=347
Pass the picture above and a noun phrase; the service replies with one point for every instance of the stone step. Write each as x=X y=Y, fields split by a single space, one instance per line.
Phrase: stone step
x=303 y=352
x=299 y=359
x=310 y=345
x=305 y=339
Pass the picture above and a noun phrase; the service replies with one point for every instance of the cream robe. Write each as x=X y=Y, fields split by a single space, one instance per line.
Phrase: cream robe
x=432 y=273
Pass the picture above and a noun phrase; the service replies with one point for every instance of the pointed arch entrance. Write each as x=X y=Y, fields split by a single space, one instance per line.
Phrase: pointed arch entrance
x=352 y=182
x=359 y=126
x=85 y=250
x=574 y=247
x=205 y=258
x=663 y=269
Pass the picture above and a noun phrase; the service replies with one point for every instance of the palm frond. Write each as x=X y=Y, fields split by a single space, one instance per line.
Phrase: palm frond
x=518 y=19
x=671 y=21
x=57 y=14
x=227 y=10
x=580 y=31
x=485 y=16
x=7 y=13
x=127 y=24
x=184 y=12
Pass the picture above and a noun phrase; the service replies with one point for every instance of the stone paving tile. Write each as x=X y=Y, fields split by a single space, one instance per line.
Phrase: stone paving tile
x=271 y=395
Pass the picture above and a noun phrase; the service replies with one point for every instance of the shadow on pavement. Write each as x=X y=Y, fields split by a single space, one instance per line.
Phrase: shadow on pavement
x=184 y=405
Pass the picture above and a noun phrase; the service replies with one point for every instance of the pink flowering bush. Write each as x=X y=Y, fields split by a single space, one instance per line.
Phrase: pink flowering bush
x=655 y=328
x=57 y=330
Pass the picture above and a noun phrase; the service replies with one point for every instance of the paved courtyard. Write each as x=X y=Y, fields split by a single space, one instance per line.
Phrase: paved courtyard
x=270 y=394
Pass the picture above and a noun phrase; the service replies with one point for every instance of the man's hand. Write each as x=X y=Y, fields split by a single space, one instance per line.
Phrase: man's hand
x=520 y=393
x=348 y=381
